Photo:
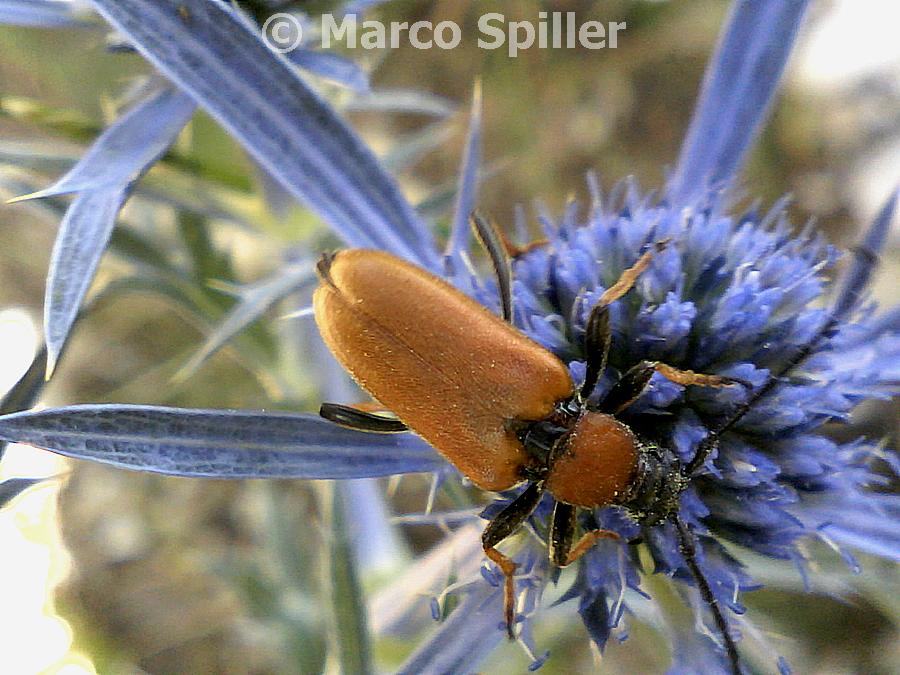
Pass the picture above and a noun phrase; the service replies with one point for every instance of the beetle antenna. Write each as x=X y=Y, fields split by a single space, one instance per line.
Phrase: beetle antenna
x=689 y=552
x=492 y=241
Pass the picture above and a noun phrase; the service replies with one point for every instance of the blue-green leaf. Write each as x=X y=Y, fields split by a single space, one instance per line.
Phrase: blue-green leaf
x=255 y=93
x=254 y=301
x=218 y=443
x=740 y=84
x=349 y=632
x=82 y=239
x=467 y=188
x=401 y=101
x=103 y=179
x=128 y=146
x=332 y=67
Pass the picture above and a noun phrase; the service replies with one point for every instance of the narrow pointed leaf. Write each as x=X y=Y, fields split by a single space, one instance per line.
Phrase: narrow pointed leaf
x=223 y=63
x=200 y=196
x=401 y=101
x=465 y=639
x=349 y=633
x=128 y=146
x=737 y=93
x=467 y=188
x=866 y=260
x=332 y=67
x=253 y=303
x=104 y=178
x=218 y=443
x=82 y=239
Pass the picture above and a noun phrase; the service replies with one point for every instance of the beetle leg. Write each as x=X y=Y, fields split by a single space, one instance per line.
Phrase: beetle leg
x=562 y=533
x=492 y=241
x=587 y=541
x=597 y=333
x=508 y=567
x=689 y=377
x=504 y=524
x=633 y=383
x=629 y=387
x=348 y=416
x=629 y=276
x=517 y=250
x=597 y=339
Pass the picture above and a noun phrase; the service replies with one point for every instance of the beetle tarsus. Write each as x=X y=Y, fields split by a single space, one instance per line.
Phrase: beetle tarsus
x=508 y=567
x=504 y=524
x=633 y=383
x=630 y=276
x=597 y=331
x=690 y=378
x=562 y=533
x=587 y=541
x=707 y=447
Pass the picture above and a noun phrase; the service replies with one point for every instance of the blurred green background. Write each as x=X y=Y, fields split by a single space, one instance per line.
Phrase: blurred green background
x=178 y=576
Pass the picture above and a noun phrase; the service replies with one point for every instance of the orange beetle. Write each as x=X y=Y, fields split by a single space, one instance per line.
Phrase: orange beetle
x=498 y=406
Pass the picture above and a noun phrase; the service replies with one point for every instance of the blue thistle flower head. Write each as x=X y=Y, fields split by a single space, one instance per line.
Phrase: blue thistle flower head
x=734 y=296
x=739 y=296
